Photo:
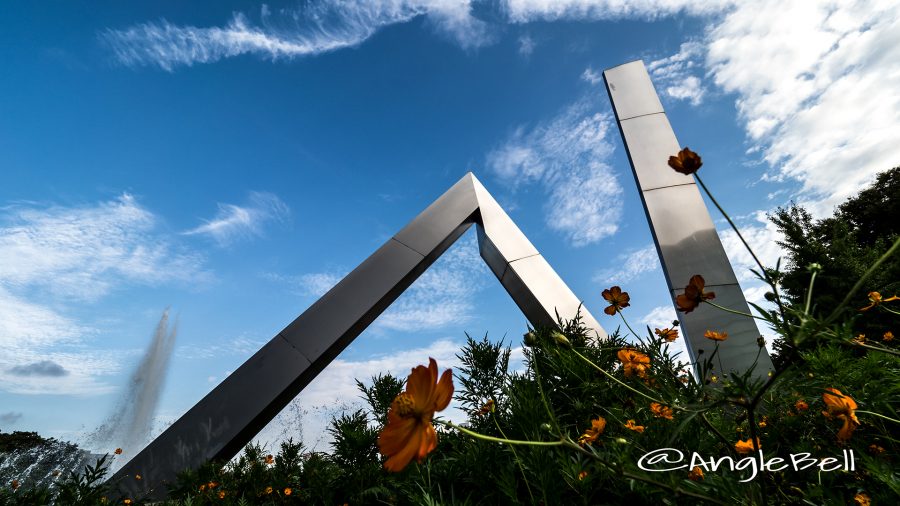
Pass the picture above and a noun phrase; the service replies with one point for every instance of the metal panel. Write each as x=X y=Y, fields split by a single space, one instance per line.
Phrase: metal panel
x=540 y=293
x=683 y=231
x=631 y=91
x=651 y=143
x=741 y=348
x=686 y=236
x=222 y=422
x=228 y=417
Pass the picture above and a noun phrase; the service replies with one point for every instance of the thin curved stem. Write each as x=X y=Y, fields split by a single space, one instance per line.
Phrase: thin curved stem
x=859 y=283
x=762 y=269
x=723 y=308
x=617 y=380
x=878 y=415
x=515 y=455
x=809 y=292
x=635 y=334
x=497 y=439
x=877 y=348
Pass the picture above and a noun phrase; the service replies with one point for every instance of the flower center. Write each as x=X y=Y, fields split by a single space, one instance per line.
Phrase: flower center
x=404 y=404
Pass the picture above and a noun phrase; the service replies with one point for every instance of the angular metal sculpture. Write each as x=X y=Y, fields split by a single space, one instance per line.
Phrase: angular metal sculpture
x=224 y=421
x=683 y=231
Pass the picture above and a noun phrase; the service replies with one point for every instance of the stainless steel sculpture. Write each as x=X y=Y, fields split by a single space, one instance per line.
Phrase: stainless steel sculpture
x=218 y=426
x=683 y=231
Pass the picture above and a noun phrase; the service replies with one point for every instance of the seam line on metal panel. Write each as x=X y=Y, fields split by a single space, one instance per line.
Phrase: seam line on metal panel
x=723 y=285
x=668 y=186
x=523 y=258
x=642 y=115
x=281 y=335
x=409 y=247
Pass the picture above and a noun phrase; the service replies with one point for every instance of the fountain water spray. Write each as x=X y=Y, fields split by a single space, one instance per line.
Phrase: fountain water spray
x=131 y=422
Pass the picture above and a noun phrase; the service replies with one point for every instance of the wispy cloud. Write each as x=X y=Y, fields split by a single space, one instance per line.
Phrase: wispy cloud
x=677 y=76
x=84 y=251
x=242 y=346
x=567 y=156
x=310 y=29
x=592 y=76
x=526 y=11
x=52 y=257
x=234 y=222
x=314 y=284
x=526 y=45
x=629 y=266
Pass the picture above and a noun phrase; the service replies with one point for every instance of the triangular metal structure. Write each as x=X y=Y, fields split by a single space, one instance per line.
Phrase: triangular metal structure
x=228 y=418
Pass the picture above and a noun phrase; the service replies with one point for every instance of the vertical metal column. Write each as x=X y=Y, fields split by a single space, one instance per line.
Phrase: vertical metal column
x=683 y=231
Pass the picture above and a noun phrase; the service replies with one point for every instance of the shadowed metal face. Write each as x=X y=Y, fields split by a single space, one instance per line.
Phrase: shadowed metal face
x=224 y=421
x=683 y=231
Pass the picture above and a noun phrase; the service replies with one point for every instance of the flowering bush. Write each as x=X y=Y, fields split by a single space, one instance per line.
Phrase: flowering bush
x=593 y=421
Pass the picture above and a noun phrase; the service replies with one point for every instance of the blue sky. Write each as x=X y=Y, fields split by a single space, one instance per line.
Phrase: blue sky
x=233 y=161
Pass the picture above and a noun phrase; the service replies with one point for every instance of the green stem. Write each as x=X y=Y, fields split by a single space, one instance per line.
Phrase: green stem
x=809 y=292
x=728 y=444
x=635 y=334
x=537 y=376
x=497 y=439
x=762 y=269
x=515 y=455
x=877 y=414
x=723 y=308
x=871 y=270
x=617 y=380
x=889 y=310
x=877 y=348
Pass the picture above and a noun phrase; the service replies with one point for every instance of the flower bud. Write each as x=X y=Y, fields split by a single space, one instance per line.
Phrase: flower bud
x=530 y=339
x=561 y=339
x=761 y=341
x=814 y=267
x=769 y=296
x=621 y=440
x=546 y=427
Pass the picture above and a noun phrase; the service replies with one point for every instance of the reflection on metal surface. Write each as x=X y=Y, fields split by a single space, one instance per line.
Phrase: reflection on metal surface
x=218 y=426
x=683 y=231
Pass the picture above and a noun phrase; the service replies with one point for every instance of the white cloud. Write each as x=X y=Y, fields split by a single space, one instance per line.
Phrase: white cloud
x=526 y=11
x=629 y=266
x=234 y=222
x=762 y=235
x=526 y=45
x=240 y=346
x=592 y=76
x=567 y=157
x=444 y=294
x=818 y=89
x=311 y=29
x=675 y=76
x=82 y=252
x=660 y=317
x=314 y=284
x=53 y=257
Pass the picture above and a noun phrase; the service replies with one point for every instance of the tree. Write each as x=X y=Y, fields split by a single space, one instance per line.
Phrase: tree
x=845 y=245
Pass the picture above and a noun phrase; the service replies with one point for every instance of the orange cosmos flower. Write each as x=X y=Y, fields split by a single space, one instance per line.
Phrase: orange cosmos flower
x=288 y=491
x=669 y=334
x=270 y=459
x=685 y=162
x=594 y=432
x=875 y=299
x=487 y=408
x=618 y=300
x=221 y=494
x=859 y=339
x=743 y=447
x=268 y=490
x=888 y=336
x=137 y=477
x=874 y=449
x=693 y=294
x=633 y=426
x=634 y=362
x=842 y=407
x=801 y=405
x=127 y=501
x=696 y=474
x=118 y=451
x=582 y=475
x=862 y=499
x=716 y=336
x=14 y=484
x=660 y=411
x=409 y=433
